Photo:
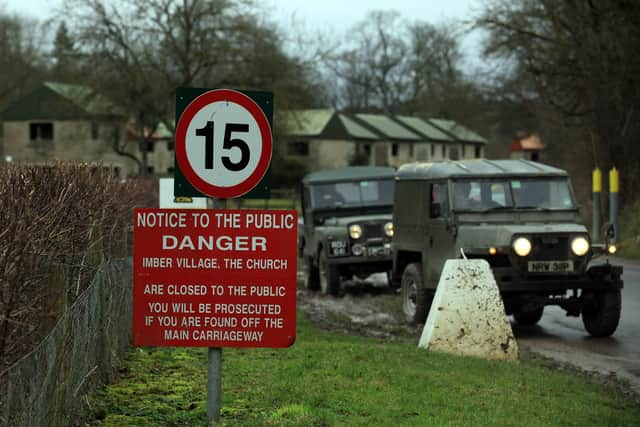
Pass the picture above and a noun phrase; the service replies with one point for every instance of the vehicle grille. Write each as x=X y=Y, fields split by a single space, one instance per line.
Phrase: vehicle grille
x=549 y=248
x=372 y=231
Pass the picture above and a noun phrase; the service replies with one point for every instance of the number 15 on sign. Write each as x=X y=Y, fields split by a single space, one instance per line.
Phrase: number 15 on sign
x=223 y=143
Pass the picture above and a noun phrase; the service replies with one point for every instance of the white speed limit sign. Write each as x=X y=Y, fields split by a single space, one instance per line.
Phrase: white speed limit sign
x=223 y=143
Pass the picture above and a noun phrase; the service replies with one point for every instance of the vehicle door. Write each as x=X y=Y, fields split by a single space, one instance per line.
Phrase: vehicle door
x=440 y=232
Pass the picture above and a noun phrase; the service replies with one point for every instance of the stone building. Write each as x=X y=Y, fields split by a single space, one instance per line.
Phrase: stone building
x=65 y=122
x=325 y=139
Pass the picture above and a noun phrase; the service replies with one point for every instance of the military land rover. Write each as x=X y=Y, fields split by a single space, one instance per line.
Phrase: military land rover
x=522 y=218
x=347 y=227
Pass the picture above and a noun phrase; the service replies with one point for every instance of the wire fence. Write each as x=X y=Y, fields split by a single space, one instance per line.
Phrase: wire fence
x=49 y=385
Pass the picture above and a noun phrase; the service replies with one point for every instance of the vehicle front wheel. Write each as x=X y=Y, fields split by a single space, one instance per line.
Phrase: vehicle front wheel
x=601 y=312
x=528 y=317
x=329 y=276
x=311 y=276
x=416 y=299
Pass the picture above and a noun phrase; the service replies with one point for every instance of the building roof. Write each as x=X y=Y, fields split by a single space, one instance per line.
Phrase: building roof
x=424 y=128
x=61 y=101
x=457 y=131
x=476 y=168
x=329 y=124
x=307 y=122
x=349 y=173
x=355 y=130
x=387 y=127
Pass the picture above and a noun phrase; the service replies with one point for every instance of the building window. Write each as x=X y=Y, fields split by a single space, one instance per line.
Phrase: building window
x=394 y=150
x=170 y=169
x=171 y=146
x=433 y=150
x=411 y=151
x=41 y=131
x=94 y=131
x=444 y=151
x=149 y=146
x=298 y=148
x=150 y=169
x=478 y=151
x=367 y=149
x=453 y=153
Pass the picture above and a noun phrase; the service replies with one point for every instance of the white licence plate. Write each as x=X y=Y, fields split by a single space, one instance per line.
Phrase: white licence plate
x=550 y=266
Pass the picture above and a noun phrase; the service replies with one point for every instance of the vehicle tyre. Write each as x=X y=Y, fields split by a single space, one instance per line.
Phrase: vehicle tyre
x=601 y=312
x=311 y=276
x=528 y=317
x=329 y=276
x=416 y=299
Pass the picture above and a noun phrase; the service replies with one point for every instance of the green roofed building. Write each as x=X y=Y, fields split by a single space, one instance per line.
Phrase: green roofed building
x=327 y=139
x=65 y=122
x=324 y=138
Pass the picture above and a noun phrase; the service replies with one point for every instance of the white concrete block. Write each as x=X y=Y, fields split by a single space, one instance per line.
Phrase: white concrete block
x=467 y=315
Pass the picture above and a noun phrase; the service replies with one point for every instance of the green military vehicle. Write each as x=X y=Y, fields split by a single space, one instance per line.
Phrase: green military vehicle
x=347 y=228
x=518 y=215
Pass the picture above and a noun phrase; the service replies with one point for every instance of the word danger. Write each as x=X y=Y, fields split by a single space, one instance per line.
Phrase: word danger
x=221 y=243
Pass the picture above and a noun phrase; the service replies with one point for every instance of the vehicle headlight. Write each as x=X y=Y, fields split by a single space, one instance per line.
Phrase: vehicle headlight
x=522 y=246
x=388 y=229
x=612 y=249
x=580 y=246
x=355 y=231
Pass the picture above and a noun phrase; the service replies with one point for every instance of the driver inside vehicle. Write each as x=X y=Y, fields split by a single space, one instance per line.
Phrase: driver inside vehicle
x=462 y=196
x=331 y=197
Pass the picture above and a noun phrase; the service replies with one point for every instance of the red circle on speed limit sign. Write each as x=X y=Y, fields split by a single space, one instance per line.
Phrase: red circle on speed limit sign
x=223 y=143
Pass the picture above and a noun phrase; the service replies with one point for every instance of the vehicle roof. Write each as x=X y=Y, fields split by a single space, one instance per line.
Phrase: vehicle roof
x=476 y=168
x=349 y=173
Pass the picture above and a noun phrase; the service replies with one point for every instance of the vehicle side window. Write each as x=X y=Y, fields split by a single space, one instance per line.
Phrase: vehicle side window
x=439 y=202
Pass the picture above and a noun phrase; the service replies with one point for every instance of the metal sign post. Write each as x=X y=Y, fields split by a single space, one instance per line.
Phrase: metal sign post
x=214 y=385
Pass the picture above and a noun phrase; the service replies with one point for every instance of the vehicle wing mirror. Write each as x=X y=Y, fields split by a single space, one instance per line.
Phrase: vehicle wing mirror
x=435 y=210
x=609 y=232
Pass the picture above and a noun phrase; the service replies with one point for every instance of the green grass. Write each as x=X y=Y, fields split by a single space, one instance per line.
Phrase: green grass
x=332 y=379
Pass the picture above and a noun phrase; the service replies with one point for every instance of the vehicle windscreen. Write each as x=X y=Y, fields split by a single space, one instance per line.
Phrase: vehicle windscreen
x=529 y=193
x=353 y=194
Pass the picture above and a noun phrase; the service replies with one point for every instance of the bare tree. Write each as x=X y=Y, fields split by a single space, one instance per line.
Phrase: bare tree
x=143 y=50
x=390 y=64
x=580 y=59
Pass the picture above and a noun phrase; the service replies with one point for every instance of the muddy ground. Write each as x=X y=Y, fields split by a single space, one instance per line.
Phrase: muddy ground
x=370 y=308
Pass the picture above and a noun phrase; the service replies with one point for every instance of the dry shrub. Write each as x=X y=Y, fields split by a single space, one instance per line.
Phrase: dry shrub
x=57 y=224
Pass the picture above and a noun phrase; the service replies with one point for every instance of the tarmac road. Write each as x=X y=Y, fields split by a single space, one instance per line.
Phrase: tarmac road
x=564 y=339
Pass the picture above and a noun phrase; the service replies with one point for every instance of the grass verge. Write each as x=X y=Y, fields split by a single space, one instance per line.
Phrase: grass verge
x=328 y=379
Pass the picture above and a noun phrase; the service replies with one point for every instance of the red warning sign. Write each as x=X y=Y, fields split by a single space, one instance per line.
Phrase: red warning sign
x=214 y=278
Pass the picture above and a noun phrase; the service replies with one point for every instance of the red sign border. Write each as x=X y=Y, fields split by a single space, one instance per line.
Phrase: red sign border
x=256 y=112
